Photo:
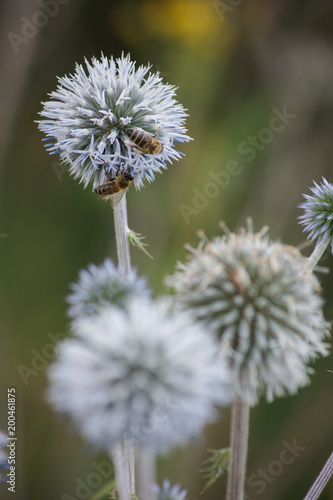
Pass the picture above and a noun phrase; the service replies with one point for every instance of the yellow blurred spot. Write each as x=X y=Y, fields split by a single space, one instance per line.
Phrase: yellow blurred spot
x=193 y=23
x=191 y=20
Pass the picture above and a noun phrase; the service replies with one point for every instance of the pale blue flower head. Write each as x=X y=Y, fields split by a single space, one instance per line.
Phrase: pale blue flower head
x=259 y=298
x=87 y=116
x=144 y=372
x=168 y=492
x=318 y=213
x=101 y=286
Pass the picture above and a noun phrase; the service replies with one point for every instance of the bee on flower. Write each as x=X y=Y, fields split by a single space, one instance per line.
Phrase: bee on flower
x=110 y=113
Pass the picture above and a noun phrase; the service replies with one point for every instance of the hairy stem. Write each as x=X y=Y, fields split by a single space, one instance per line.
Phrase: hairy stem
x=146 y=469
x=120 y=472
x=124 y=262
x=317 y=253
x=321 y=481
x=121 y=228
x=129 y=455
x=240 y=417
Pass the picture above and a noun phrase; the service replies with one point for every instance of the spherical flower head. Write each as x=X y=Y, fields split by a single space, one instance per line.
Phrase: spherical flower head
x=101 y=286
x=263 y=304
x=318 y=213
x=144 y=372
x=168 y=492
x=88 y=115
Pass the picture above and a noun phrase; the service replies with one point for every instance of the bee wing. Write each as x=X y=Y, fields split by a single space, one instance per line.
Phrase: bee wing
x=116 y=198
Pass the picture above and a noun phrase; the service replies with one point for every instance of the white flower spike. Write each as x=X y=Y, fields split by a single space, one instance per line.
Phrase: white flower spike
x=88 y=116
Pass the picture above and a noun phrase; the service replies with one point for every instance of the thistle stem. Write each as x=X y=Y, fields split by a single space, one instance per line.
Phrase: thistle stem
x=321 y=481
x=146 y=469
x=121 y=228
x=240 y=417
x=317 y=253
x=129 y=455
x=120 y=472
x=124 y=262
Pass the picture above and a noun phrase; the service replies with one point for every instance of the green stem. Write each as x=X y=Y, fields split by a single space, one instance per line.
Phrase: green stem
x=321 y=481
x=240 y=417
x=317 y=253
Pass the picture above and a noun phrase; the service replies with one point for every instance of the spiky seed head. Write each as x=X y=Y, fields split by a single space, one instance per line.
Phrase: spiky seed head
x=260 y=300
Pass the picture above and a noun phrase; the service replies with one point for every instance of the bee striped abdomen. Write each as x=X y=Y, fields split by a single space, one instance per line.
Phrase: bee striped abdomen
x=139 y=137
x=145 y=142
x=116 y=186
x=107 y=189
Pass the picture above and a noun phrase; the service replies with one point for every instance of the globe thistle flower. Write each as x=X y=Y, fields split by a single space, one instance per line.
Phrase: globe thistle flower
x=318 y=213
x=101 y=286
x=168 y=492
x=88 y=115
x=142 y=373
x=261 y=301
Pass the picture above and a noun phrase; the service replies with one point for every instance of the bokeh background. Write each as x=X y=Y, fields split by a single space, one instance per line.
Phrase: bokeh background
x=237 y=64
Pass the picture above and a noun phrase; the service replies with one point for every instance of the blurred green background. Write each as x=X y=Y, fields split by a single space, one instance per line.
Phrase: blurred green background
x=237 y=64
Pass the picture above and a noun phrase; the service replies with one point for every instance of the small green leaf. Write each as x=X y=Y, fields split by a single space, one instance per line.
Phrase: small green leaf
x=114 y=495
x=136 y=240
x=216 y=466
x=104 y=490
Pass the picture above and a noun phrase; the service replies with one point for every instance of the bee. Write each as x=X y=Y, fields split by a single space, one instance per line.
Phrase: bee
x=117 y=186
x=145 y=142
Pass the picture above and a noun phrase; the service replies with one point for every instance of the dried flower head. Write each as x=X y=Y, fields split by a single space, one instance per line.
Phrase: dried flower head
x=101 y=286
x=168 y=492
x=143 y=372
x=88 y=115
x=318 y=213
x=259 y=298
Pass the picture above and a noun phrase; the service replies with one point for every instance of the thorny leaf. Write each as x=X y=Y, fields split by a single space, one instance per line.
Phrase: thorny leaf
x=136 y=240
x=216 y=466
